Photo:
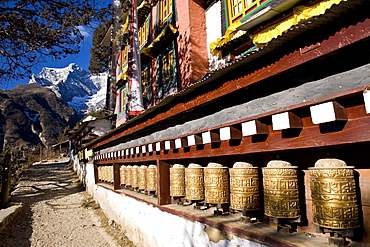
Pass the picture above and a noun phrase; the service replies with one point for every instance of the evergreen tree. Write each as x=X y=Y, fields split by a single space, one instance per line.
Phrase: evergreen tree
x=32 y=30
x=100 y=54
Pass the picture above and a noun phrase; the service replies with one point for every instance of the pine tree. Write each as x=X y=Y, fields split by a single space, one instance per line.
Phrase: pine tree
x=32 y=30
x=100 y=54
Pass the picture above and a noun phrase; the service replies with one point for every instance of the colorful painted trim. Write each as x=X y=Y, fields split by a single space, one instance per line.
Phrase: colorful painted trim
x=300 y=13
x=231 y=34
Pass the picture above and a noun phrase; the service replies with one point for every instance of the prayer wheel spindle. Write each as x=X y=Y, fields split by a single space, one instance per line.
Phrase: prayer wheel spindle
x=216 y=186
x=244 y=189
x=281 y=194
x=122 y=175
x=128 y=176
x=177 y=181
x=194 y=182
x=141 y=174
x=151 y=179
x=334 y=199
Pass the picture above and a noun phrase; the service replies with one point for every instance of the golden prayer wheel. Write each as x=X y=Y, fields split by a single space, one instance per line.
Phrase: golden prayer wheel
x=244 y=192
x=128 y=175
x=177 y=181
x=122 y=175
x=194 y=182
x=141 y=174
x=134 y=177
x=104 y=177
x=151 y=178
x=101 y=169
x=333 y=189
x=216 y=184
x=281 y=195
x=111 y=174
x=100 y=178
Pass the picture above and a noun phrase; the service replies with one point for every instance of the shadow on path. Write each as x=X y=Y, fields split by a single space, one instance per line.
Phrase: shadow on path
x=40 y=182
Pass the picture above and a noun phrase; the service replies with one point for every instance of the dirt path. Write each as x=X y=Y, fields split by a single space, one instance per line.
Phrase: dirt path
x=53 y=214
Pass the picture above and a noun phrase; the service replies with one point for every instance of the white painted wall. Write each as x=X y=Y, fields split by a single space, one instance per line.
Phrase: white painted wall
x=213 y=28
x=146 y=225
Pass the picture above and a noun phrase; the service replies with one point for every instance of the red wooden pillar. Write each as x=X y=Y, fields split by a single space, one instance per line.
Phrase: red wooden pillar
x=163 y=182
x=116 y=177
x=96 y=175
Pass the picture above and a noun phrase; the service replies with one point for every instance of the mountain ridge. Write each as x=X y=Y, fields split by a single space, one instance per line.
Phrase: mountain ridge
x=75 y=86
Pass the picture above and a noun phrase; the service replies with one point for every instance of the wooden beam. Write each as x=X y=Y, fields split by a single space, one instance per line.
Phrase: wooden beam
x=355 y=130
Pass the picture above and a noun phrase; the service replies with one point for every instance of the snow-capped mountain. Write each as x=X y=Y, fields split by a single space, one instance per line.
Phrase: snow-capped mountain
x=75 y=86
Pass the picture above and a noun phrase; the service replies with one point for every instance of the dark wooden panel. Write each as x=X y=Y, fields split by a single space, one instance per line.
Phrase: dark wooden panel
x=163 y=182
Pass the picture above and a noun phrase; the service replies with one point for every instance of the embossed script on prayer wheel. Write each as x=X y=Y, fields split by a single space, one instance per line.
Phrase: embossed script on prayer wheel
x=100 y=173
x=151 y=178
x=101 y=170
x=333 y=189
x=280 y=184
x=216 y=184
x=194 y=182
x=122 y=175
x=141 y=174
x=134 y=177
x=128 y=175
x=111 y=174
x=177 y=181
x=244 y=192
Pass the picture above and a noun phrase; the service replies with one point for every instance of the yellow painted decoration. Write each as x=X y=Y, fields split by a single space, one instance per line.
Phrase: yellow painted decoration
x=123 y=75
x=300 y=13
x=231 y=34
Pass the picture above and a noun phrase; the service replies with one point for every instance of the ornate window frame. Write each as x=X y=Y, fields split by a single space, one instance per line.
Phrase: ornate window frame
x=239 y=9
x=164 y=10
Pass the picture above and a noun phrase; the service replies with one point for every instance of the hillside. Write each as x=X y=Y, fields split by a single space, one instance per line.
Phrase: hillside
x=31 y=114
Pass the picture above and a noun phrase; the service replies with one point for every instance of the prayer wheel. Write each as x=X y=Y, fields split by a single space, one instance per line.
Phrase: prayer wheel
x=216 y=184
x=101 y=169
x=281 y=195
x=100 y=174
x=151 y=178
x=104 y=173
x=111 y=174
x=333 y=190
x=194 y=182
x=128 y=175
x=244 y=192
x=122 y=175
x=141 y=174
x=134 y=176
x=177 y=181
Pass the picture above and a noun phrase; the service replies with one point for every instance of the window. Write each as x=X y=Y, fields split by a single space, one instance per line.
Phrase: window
x=240 y=8
x=166 y=79
x=165 y=10
x=124 y=57
x=168 y=69
x=143 y=33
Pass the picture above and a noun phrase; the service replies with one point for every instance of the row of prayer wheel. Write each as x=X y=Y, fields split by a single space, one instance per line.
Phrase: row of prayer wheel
x=332 y=183
x=139 y=177
x=105 y=174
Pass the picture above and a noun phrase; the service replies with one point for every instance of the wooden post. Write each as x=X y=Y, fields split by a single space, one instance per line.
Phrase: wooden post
x=116 y=177
x=163 y=182
x=96 y=175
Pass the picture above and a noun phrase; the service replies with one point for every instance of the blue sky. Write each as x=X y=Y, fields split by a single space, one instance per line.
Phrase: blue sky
x=81 y=59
